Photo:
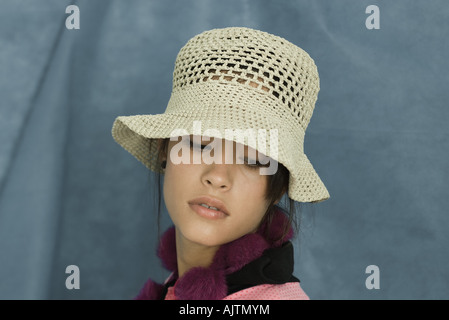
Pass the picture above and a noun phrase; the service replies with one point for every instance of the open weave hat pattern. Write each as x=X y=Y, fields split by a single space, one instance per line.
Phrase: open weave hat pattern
x=237 y=78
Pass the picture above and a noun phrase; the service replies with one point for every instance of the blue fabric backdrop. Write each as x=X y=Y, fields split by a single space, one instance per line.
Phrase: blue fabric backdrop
x=69 y=195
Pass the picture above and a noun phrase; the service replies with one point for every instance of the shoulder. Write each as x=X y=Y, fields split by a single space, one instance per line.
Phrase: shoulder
x=286 y=291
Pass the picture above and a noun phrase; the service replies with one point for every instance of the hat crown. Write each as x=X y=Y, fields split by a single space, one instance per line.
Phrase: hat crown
x=253 y=59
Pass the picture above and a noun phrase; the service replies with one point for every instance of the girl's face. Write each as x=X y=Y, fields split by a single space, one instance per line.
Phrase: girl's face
x=240 y=187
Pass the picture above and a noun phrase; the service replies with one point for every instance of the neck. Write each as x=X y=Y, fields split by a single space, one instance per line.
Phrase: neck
x=190 y=254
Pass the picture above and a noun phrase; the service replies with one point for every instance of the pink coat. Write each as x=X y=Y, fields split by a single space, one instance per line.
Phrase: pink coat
x=287 y=291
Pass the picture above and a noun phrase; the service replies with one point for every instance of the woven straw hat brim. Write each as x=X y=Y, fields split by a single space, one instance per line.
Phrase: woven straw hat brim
x=216 y=106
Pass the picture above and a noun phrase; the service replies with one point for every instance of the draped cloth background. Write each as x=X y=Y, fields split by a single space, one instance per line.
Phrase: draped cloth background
x=69 y=195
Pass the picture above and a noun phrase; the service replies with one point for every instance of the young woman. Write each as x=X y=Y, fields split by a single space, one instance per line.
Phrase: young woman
x=229 y=146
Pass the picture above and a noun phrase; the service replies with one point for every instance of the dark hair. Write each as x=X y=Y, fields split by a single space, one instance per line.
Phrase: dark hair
x=277 y=185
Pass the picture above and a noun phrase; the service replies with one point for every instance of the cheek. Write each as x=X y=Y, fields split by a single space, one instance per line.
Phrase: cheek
x=175 y=185
x=252 y=189
x=250 y=206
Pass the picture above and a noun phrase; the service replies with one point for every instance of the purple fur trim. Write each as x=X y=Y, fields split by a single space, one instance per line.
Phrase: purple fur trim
x=167 y=250
x=201 y=284
x=276 y=229
x=210 y=283
x=234 y=255
x=150 y=291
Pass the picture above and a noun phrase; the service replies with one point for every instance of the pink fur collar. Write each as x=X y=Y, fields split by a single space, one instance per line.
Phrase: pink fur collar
x=210 y=283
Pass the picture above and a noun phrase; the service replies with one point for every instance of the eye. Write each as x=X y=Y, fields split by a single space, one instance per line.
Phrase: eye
x=254 y=164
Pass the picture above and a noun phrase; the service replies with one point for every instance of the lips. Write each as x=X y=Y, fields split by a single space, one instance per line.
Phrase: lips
x=201 y=204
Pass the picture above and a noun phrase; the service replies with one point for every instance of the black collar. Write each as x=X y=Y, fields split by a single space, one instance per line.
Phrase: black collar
x=275 y=266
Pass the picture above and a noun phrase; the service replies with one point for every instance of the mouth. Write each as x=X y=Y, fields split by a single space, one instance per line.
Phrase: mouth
x=208 y=207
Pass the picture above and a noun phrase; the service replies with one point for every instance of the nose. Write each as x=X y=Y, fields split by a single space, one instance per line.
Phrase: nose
x=219 y=175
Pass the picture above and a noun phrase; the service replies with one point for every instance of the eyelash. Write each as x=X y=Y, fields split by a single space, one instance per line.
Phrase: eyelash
x=251 y=166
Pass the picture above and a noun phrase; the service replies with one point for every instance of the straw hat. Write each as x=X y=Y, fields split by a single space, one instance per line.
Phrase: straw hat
x=237 y=79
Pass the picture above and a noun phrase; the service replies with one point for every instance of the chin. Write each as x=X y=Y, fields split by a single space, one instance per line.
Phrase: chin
x=210 y=236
